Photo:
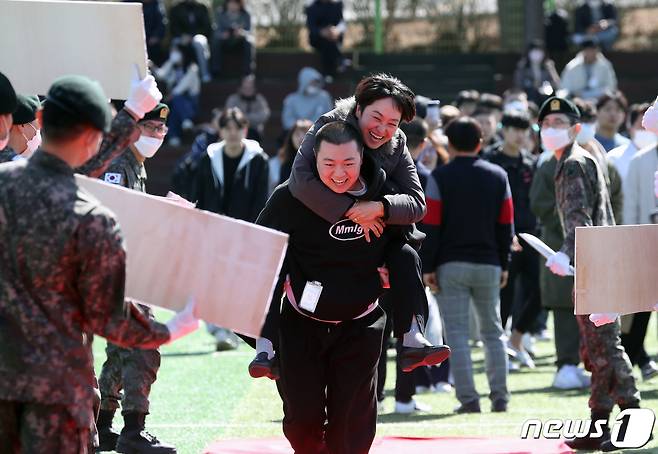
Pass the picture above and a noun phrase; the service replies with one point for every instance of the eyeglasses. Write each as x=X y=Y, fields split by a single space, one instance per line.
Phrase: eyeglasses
x=155 y=129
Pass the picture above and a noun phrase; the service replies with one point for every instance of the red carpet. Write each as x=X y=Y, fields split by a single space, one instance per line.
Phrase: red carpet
x=397 y=445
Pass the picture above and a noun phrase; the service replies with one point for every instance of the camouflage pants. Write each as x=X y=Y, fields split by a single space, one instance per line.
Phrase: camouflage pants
x=612 y=375
x=36 y=428
x=132 y=370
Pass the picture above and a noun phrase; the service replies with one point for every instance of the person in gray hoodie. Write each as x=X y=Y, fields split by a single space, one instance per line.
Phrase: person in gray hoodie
x=308 y=102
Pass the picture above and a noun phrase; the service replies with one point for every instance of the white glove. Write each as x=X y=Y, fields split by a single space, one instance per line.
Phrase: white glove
x=655 y=183
x=603 y=319
x=559 y=264
x=144 y=95
x=650 y=119
x=183 y=323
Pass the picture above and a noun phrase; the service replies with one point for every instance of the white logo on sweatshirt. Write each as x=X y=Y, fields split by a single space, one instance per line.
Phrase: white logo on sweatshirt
x=346 y=230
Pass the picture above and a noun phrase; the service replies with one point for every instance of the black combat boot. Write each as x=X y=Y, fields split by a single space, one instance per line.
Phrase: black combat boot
x=607 y=445
x=590 y=441
x=107 y=437
x=135 y=440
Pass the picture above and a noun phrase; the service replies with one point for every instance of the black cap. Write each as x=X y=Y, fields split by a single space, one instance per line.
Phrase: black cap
x=26 y=110
x=555 y=105
x=159 y=113
x=7 y=96
x=82 y=99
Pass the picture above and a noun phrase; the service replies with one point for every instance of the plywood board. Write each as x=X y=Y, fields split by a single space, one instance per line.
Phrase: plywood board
x=616 y=269
x=173 y=252
x=43 y=40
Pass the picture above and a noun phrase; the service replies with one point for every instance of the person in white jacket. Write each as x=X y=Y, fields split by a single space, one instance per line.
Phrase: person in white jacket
x=589 y=74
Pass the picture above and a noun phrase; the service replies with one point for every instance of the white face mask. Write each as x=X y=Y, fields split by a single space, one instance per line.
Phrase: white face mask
x=516 y=106
x=587 y=132
x=553 y=139
x=536 y=55
x=147 y=146
x=643 y=138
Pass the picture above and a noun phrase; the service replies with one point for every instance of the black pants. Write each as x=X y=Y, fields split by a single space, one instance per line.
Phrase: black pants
x=633 y=341
x=407 y=293
x=327 y=383
x=329 y=54
x=404 y=382
x=524 y=267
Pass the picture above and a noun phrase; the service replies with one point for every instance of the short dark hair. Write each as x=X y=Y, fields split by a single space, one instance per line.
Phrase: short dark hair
x=337 y=133
x=416 y=132
x=490 y=101
x=235 y=115
x=464 y=134
x=616 y=96
x=588 y=111
x=637 y=110
x=380 y=86
x=467 y=96
x=518 y=120
x=59 y=126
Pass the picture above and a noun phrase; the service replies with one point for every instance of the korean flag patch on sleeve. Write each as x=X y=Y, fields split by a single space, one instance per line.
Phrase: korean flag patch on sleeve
x=114 y=178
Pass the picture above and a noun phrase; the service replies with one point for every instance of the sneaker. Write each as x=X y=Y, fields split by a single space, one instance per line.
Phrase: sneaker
x=528 y=342
x=649 y=370
x=470 y=407
x=524 y=359
x=187 y=125
x=424 y=389
x=413 y=357
x=406 y=408
x=544 y=336
x=568 y=377
x=262 y=366
x=513 y=366
x=225 y=340
x=585 y=378
x=499 y=406
x=442 y=387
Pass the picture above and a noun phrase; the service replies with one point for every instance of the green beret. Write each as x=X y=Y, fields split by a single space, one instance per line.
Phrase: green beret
x=82 y=99
x=7 y=96
x=555 y=105
x=26 y=111
x=160 y=113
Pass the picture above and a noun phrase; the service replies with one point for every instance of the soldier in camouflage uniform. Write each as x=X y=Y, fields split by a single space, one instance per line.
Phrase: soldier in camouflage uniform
x=133 y=370
x=582 y=200
x=8 y=104
x=62 y=278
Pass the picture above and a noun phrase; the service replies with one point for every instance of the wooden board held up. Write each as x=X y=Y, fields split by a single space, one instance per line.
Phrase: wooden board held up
x=229 y=266
x=43 y=40
x=616 y=269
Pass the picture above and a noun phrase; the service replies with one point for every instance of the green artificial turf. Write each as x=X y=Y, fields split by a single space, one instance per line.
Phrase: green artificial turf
x=202 y=396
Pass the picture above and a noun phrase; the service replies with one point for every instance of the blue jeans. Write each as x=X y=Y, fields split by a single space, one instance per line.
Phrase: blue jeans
x=183 y=107
x=460 y=283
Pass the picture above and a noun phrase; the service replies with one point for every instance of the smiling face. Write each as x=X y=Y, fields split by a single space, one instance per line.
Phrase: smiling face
x=339 y=166
x=378 y=122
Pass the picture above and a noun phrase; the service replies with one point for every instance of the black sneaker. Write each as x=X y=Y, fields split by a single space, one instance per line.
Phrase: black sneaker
x=413 y=357
x=142 y=443
x=261 y=366
x=469 y=407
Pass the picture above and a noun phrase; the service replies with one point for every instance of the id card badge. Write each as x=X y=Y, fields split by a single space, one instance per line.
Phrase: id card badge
x=311 y=296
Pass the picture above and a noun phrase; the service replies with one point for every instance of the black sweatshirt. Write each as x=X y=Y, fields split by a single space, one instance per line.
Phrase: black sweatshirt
x=470 y=215
x=336 y=255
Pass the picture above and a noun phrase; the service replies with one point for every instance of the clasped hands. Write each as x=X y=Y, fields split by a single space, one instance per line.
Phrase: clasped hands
x=369 y=215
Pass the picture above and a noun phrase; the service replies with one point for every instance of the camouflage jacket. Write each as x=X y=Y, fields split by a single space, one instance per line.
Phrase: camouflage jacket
x=62 y=278
x=123 y=132
x=581 y=195
x=126 y=171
